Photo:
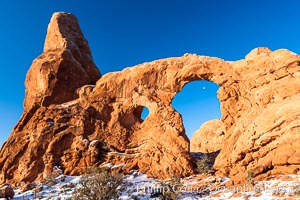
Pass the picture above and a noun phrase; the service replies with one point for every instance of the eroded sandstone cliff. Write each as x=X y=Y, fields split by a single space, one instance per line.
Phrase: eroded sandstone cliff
x=73 y=121
x=261 y=115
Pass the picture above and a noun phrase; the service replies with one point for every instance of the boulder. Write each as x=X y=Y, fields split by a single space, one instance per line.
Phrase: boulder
x=209 y=138
x=6 y=191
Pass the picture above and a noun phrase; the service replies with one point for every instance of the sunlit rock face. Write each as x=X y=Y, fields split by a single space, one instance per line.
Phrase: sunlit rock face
x=209 y=138
x=65 y=65
x=75 y=118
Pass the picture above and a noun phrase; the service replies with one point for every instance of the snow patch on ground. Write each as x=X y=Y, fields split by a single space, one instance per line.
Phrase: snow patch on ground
x=67 y=104
x=61 y=190
x=138 y=186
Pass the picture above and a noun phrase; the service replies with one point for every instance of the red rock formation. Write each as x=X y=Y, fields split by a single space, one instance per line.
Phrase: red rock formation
x=74 y=127
x=65 y=65
x=261 y=112
x=209 y=138
x=73 y=124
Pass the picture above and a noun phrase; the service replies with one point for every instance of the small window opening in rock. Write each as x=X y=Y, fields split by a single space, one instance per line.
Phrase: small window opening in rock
x=145 y=113
x=197 y=103
x=50 y=122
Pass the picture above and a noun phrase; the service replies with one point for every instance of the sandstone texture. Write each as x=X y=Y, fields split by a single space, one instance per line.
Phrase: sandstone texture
x=261 y=110
x=73 y=122
x=209 y=138
x=65 y=65
x=74 y=118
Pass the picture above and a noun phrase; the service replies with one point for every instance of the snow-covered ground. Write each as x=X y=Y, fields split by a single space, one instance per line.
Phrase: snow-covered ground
x=61 y=190
x=138 y=186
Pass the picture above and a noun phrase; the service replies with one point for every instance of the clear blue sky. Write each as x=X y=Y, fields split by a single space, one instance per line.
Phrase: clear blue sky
x=123 y=33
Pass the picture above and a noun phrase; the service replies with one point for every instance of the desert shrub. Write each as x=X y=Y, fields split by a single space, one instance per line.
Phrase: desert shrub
x=250 y=177
x=203 y=165
x=98 y=184
x=50 y=180
x=294 y=190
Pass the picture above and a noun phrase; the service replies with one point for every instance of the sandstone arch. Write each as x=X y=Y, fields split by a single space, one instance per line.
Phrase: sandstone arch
x=255 y=95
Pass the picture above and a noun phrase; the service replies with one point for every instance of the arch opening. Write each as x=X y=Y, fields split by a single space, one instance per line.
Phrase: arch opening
x=197 y=103
x=134 y=116
x=145 y=113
